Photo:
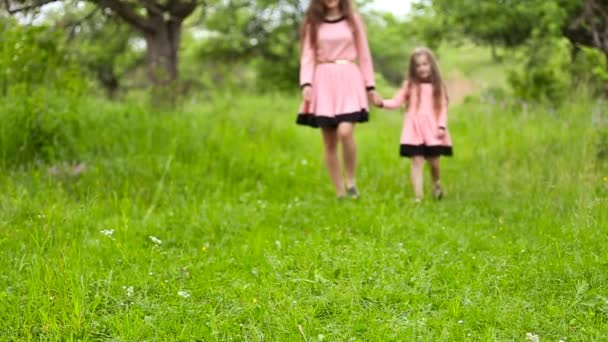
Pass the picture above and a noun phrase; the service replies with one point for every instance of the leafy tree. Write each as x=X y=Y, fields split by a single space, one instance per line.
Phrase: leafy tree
x=159 y=22
x=537 y=25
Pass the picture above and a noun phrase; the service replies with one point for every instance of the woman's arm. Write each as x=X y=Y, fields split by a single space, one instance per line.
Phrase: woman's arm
x=307 y=60
x=365 y=58
x=399 y=99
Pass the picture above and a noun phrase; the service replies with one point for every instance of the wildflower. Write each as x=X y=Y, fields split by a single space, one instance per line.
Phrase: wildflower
x=155 y=240
x=107 y=232
x=532 y=337
x=129 y=290
x=183 y=294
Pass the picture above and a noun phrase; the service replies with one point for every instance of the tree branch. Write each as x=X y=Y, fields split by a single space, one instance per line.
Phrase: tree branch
x=25 y=8
x=127 y=13
x=74 y=25
x=183 y=9
x=153 y=7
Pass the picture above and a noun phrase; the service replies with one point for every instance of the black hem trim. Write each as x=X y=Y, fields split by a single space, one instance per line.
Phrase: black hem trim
x=334 y=20
x=305 y=85
x=370 y=88
x=315 y=121
x=425 y=151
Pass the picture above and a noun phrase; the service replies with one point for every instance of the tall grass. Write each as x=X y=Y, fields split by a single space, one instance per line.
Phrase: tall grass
x=253 y=245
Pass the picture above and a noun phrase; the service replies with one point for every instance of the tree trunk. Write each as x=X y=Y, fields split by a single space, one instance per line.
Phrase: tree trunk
x=162 y=51
x=108 y=79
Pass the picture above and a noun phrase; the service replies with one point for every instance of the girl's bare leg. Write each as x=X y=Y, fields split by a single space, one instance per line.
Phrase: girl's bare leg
x=417 y=168
x=436 y=175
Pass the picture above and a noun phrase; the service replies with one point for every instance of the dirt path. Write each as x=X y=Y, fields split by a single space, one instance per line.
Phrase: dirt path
x=459 y=87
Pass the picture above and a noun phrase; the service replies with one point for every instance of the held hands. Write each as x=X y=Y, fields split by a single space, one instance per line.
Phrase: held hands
x=375 y=98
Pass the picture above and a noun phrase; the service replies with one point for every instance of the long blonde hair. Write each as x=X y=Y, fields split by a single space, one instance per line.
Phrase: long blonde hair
x=439 y=89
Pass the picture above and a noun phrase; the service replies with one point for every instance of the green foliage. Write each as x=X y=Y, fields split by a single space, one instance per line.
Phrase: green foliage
x=537 y=29
x=590 y=66
x=40 y=93
x=545 y=74
x=265 y=34
x=391 y=42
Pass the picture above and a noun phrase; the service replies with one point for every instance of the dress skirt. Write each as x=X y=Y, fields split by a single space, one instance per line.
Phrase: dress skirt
x=419 y=137
x=338 y=95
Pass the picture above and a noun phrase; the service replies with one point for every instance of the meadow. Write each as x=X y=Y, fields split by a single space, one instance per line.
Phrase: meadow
x=216 y=221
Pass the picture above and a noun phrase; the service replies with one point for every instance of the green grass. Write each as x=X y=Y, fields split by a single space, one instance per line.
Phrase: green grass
x=251 y=231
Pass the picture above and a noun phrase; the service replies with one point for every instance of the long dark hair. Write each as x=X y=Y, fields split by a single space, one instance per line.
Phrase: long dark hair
x=439 y=89
x=315 y=15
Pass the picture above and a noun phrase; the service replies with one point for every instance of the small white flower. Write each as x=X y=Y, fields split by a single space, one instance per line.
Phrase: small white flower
x=183 y=294
x=129 y=290
x=321 y=337
x=460 y=322
x=107 y=232
x=532 y=337
x=155 y=240
x=151 y=273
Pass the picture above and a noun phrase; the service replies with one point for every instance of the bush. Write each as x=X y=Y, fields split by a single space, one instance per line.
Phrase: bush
x=41 y=90
x=545 y=76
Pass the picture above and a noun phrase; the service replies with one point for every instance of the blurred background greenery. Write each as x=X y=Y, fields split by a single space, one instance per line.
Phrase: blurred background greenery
x=56 y=54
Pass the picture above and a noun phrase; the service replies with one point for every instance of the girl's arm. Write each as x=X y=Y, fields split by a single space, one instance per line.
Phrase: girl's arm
x=307 y=60
x=365 y=58
x=399 y=99
x=442 y=120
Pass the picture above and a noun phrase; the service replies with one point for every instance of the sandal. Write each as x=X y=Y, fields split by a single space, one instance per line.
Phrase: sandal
x=438 y=192
x=353 y=192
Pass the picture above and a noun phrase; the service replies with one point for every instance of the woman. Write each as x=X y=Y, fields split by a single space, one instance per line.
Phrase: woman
x=337 y=78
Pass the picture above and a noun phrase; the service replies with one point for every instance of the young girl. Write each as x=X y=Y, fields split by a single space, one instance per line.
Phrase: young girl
x=425 y=132
x=336 y=77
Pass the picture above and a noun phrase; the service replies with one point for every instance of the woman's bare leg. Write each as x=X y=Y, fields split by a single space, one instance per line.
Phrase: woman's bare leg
x=330 y=142
x=349 y=151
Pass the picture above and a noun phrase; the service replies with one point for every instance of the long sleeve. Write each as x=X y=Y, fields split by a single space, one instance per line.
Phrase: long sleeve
x=399 y=99
x=365 y=58
x=307 y=60
x=442 y=120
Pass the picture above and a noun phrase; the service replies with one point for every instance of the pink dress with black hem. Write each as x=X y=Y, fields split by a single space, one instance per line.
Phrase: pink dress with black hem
x=421 y=123
x=339 y=84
